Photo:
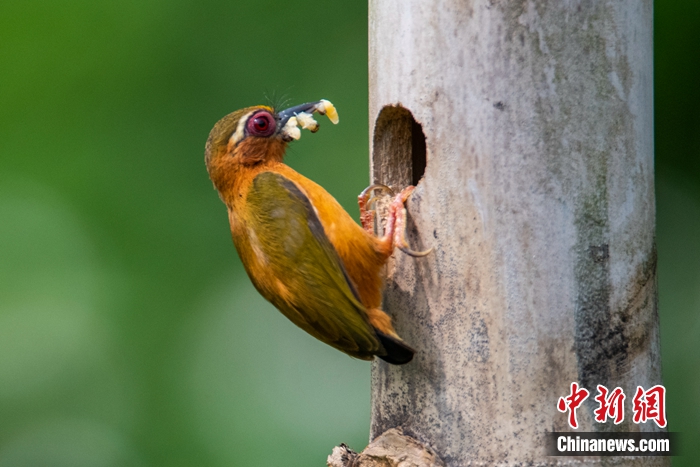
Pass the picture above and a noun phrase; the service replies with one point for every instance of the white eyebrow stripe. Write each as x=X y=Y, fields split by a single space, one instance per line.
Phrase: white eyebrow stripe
x=238 y=135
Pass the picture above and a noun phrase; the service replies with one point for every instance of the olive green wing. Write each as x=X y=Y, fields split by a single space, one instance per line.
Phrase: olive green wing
x=298 y=253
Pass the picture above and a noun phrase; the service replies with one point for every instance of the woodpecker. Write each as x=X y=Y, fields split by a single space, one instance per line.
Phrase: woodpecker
x=302 y=251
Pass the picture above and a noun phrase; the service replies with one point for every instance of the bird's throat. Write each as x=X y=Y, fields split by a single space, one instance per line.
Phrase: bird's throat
x=253 y=150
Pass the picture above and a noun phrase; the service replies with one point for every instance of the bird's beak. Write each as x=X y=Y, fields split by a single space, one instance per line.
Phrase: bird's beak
x=302 y=115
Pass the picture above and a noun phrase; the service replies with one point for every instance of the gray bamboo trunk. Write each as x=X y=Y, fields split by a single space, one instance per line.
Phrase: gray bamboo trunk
x=538 y=197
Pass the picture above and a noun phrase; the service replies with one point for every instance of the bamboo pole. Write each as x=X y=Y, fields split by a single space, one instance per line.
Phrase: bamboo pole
x=531 y=125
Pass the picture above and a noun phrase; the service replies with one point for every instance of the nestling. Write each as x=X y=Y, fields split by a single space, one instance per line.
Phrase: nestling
x=301 y=249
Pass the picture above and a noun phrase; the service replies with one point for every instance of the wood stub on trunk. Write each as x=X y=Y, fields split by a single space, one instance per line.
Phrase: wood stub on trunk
x=391 y=449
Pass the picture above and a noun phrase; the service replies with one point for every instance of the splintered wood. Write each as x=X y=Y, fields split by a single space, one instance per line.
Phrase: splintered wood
x=391 y=449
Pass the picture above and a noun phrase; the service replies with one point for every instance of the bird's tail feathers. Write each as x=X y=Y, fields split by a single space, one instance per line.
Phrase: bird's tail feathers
x=397 y=352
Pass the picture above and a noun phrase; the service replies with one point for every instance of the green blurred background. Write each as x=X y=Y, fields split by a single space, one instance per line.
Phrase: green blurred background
x=129 y=334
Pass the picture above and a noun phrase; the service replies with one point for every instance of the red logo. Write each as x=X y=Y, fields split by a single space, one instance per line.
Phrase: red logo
x=650 y=405
x=572 y=402
x=647 y=405
x=610 y=405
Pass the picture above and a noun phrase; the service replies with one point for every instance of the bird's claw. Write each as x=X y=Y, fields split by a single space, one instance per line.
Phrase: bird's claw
x=365 y=201
x=399 y=206
x=371 y=189
x=416 y=254
x=395 y=232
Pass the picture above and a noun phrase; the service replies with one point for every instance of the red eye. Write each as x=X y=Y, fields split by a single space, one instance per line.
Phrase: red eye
x=261 y=124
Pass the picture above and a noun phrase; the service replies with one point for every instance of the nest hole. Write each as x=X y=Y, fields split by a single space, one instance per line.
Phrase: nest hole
x=400 y=155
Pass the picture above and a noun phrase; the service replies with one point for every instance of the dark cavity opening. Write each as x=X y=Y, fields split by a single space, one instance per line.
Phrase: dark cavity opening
x=400 y=155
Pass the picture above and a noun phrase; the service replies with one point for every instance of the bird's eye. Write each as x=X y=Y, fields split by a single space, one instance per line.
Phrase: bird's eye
x=261 y=124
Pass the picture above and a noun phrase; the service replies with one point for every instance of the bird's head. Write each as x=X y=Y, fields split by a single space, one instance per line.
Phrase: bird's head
x=256 y=135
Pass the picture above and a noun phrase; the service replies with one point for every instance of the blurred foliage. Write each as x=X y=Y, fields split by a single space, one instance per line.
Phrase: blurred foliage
x=677 y=135
x=129 y=334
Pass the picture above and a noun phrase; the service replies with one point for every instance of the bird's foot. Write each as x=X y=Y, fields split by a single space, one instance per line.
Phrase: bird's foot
x=395 y=231
x=398 y=207
x=365 y=201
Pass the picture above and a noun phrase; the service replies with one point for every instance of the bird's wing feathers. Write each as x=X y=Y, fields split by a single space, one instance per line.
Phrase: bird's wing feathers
x=298 y=253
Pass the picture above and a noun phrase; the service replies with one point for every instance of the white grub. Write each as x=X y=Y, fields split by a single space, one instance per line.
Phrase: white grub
x=290 y=128
x=326 y=108
x=307 y=122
